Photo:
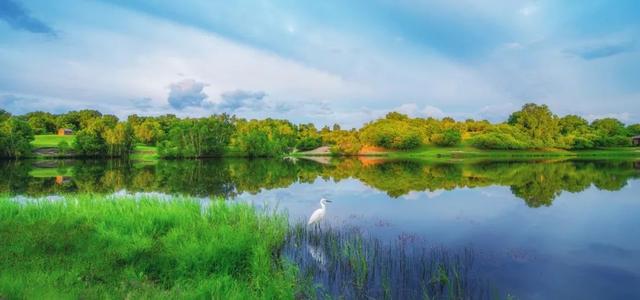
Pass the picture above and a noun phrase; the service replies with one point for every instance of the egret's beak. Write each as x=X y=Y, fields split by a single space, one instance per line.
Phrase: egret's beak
x=328 y=201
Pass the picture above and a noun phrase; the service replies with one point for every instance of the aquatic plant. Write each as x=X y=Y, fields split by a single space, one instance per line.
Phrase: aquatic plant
x=346 y=263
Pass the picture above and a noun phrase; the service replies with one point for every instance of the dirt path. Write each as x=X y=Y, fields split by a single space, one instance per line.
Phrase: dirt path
x=324 y=150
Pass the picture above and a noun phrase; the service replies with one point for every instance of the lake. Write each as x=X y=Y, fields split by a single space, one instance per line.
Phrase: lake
x=548 y=229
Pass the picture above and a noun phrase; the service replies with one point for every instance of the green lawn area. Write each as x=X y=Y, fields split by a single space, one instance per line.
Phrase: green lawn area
x=145 y=153
x=464 y=151
x=91 y=247
x=50 y=172
x=51 y=140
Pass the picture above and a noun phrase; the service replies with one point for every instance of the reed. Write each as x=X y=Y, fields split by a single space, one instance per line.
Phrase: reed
x=346 y=263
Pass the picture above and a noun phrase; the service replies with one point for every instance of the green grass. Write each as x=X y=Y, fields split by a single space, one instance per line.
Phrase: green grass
x=50 y=172
x=51 y=140
x=93 y=247
x=145 y=153
x=463 y=151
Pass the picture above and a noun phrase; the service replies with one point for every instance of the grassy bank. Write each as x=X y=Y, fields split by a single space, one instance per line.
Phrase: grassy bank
x=471 y=152
x=145 y=153
x=46 y=146
x=468 y=152
x=51 y=140
x=100 y=247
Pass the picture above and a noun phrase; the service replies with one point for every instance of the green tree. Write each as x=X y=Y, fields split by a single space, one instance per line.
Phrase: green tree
x=577 y=134
x=308 y=137
x=346 y=143
x=4 y=115
x=610 y=132
x=539 y=123
x=89 y=142
x=149 y=132
x=119 y=140
x=104 y=136
x=87 y=117
x=572 y=123
x=41 y=122
x=261 y=138
x=609 y=126
x=205 y=137
x=15 y=138
x=395 y=131
x=78 y=120
x=64 y=147
x=633 y=130
x=449 y=137
x=503 y=137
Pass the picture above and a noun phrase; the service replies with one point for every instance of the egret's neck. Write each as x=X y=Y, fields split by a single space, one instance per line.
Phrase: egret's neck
x=322 y=204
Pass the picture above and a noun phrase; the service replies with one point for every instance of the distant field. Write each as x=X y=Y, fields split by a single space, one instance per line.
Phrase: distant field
x=145 y=153
x=51 y=140
x=50 y=172
x=463 y=151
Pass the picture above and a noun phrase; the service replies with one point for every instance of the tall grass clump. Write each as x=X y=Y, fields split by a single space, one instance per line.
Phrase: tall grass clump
x=95 y=247
x=345 y=263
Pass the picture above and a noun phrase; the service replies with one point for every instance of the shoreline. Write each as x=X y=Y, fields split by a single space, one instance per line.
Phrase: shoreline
x=467 y=152
x=144 y=153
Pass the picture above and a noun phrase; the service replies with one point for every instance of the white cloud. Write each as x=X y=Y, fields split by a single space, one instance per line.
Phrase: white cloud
x=136 y=59
x=624 y=117
x=434 y=112
x=334 y=75
x=185 y=93
x=528 y=9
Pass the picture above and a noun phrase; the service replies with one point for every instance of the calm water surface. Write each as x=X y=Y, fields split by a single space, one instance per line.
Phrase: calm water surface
x=541 y=230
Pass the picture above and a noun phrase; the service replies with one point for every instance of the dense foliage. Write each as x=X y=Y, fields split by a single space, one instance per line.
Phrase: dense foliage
x=532 y=127
x=203 y=137
x=261 y=138
x=15 y=137
x=105 y=136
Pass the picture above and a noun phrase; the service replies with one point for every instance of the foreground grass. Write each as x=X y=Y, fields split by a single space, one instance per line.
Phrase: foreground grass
x=101 y=247
x=51 y=140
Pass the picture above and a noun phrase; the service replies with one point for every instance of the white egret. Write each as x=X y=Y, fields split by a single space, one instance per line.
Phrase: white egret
x=319 y=213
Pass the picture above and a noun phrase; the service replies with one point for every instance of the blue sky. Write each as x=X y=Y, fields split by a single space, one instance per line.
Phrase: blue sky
x=322 y=61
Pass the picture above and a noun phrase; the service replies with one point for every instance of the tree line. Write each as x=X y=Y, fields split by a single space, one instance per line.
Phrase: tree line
x=104 y=135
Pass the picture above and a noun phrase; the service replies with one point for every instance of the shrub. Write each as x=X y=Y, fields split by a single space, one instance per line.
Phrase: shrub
x=612 y=141
x=347 y=143
x=394 y=132
x=64 y=147
x=309 y=143
x=15 y=138
x=89 y=142
x=500 y=141
x=449 y=137
x=580 y=143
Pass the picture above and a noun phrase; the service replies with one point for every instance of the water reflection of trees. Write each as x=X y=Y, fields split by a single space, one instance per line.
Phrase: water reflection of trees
x=536 y=183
